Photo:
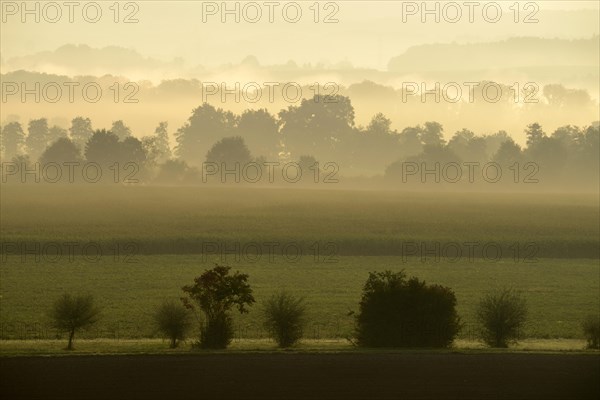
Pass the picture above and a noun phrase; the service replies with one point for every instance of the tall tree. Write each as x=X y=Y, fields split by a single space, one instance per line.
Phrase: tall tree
x=81 y=131
x=37 y=138
x=375 y=146
x=260 y=131
x=132 y=151
x=493 y=141
x=317 y=126
x=205 y=126
x=120 y=129
x=216 y=292
x=433 y=134
x=534 y=134
x=55 y=133
x=508 y=153
x=103 y=148
x=13 y=139
x=162 y=141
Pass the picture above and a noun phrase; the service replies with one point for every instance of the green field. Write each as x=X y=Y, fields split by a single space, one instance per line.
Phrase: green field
x=177 y=220
x=168 y=227
x=560 y=292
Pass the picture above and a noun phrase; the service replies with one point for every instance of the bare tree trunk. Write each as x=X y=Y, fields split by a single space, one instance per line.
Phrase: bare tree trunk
x=71 y=335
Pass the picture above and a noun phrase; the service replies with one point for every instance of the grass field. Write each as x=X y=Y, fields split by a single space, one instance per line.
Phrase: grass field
x=560 y=293
x=178 y=220
x=170 y=226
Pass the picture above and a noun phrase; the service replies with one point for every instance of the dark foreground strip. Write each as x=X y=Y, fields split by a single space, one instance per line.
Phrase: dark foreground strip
x=303 y=376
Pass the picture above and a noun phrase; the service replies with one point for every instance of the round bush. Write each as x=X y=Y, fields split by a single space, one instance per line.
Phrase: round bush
x=396 y=312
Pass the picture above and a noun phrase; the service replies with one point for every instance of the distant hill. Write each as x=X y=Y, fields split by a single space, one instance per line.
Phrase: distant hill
x=82 y=59
x=521 y=52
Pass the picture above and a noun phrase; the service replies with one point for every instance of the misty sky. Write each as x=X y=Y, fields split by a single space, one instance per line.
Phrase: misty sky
x=368 y=34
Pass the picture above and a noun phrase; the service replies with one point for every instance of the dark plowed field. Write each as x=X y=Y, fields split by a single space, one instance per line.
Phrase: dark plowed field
x=303 y=376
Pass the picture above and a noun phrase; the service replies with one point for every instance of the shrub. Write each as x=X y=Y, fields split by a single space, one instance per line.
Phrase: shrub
x=284 y=318
x=591 y=329
x=173 y=321
x=216 y=332
x=501 y=314
x=396 y=312
x=71 y=313
x=216 y=292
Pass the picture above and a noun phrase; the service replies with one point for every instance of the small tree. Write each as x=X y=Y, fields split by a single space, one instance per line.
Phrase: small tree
x=400 y=312
x=284 y=318
x=591 y=329
x=71 y=313
x=173 y=321
x=216 y=292
x=501 y=314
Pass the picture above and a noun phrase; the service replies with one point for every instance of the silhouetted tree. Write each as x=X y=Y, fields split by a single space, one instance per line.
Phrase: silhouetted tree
x=468 y=147
x=568 y=135
x=317 y=125
x=103 y=148
x=72 y=313
x=410 y=142
x=216 y=292
x=132 y=151
x=508 y=153
x=584 y=161
x=206 y=126
x=435 y=153
x=591 y=330
x=13 y=139
x=285 y=318
x=534 y=134
x=230 y=150
x=162 y=141
x=120 y=129
x=61 y=151
x=501 y=315
x=433 y=134
x=260 y=131
x=493 y=142
x=173 y=172
x=373 y=147
x=379 y=125
x=173 y=321
x=37 y=139
x=81 y=131
x=551 y=154
x=55 y=133
x=396 y=312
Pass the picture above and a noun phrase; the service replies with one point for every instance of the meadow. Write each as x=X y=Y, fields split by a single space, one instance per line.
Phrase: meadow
x=560 y=293
x=169 y=228
x=178 y=220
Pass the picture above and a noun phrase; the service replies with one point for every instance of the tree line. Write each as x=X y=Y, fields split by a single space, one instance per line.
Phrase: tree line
x=321 y=129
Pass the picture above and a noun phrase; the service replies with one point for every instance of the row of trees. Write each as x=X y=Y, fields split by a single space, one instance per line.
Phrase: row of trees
x=323 y=128
x=394 y=311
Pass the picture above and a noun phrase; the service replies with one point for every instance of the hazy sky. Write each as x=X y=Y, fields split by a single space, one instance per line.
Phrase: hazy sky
x=367 y=34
